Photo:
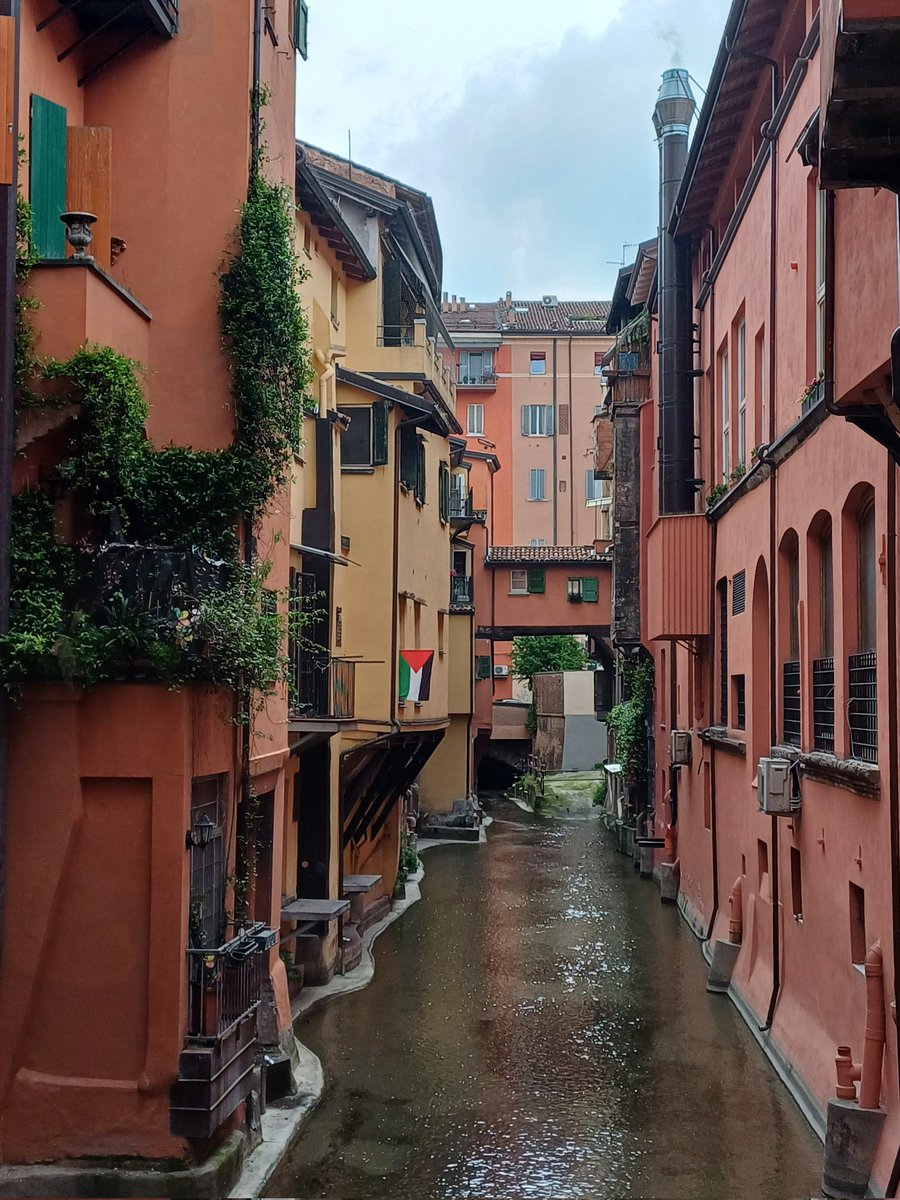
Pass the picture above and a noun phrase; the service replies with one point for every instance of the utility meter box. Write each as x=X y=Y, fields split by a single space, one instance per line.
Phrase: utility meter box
x=774 y=787
x=680 y=747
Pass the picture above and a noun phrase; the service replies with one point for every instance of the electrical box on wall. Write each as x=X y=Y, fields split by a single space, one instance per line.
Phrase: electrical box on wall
x=680 y=747
x=775 y=789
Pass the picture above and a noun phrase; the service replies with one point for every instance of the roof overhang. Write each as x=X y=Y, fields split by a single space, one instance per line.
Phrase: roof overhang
x=434 y=416
x=326 y=216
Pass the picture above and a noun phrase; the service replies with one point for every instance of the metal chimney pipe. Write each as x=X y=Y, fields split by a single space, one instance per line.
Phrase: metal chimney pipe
x=671 y=119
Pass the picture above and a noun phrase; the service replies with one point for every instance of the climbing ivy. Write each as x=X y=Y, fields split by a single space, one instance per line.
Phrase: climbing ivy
x=627 y=721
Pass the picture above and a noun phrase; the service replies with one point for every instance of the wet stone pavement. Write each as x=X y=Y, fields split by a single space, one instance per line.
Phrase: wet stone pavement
x=538 y=1027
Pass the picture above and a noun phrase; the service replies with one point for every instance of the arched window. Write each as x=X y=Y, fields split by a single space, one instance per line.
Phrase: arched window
x=862 y=679
x=790 y=638
x=821 y=586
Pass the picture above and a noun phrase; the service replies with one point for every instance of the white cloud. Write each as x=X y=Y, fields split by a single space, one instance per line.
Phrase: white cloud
x=532 y=134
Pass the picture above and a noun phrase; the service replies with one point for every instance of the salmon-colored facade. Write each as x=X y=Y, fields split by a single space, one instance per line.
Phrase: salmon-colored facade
x=768 y=602
x=116 y=1039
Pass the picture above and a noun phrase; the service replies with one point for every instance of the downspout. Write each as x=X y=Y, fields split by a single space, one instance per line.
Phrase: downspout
x=8 y=194
x=395 y=549
x=572 y=538
x=555 y=463
x=255 y=94
x=713 y=809
x=325 y=380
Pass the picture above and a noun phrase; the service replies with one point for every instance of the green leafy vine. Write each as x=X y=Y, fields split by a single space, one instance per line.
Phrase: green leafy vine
x=627 y=721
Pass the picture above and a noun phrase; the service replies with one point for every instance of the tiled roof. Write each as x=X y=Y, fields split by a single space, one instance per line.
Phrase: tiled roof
x=526 y=316
x=542 y=555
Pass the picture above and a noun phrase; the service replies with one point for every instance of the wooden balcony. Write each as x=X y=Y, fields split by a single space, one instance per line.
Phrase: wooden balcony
x=678 y=563
x=860 y=128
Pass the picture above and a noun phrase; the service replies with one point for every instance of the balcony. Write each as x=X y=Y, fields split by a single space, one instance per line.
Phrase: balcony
x=462 y=512
x=322 y=689
x=678 y=552
x=225 y=983
x=487 y=380
x=107 y=28
x=860 y=102
x=461 y=594
x=404 y=353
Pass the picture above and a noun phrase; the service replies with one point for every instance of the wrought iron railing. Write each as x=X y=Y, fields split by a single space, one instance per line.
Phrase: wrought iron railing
x=823 y=704
x=461 y=591
x=225 y=983
x=321 y=687
x=396 y=335
x=790 y=696
x=482 y=379
x=862 y=707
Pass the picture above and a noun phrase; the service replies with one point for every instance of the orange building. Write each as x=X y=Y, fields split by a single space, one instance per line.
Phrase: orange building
x=767 y=562
x=143 y=808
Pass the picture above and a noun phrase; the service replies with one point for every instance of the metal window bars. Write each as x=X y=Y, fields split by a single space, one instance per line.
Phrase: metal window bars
x=225 y=982
x=790 y=695
x=460 y=591
x=862 y=706
x=823 y=704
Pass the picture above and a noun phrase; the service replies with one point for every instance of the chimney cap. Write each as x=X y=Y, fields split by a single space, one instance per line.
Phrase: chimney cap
x=675 y=103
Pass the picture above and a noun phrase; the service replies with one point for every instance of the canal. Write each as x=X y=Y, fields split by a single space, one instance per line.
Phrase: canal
x=538 y=1027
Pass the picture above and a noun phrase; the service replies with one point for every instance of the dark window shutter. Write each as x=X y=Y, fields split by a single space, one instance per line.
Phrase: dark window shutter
x=536 y=580
x=380 y=433
x=444 y=492
x=590 y=590
x=48 y=176
x=738 y=593
x=301 y=28
x=483 y=666
x=525 y=420
x=408 y=444
x=391 y=315
x=420 y=470
x=548 y=428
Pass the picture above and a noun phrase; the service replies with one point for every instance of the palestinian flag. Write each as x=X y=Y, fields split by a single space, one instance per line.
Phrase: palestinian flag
x=415 y=674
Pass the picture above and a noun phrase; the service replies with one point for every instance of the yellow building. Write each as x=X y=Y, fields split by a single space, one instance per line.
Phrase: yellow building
x=370 y=546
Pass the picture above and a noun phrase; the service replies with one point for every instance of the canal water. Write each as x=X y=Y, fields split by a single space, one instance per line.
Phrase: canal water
x=538 y=1027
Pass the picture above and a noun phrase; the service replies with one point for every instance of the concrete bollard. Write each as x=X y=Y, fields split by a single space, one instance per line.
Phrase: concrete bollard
x=669 y=879
x=721 y=968
x=851 y=1139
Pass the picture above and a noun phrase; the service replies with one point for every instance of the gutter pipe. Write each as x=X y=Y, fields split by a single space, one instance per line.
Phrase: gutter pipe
x=8 y=193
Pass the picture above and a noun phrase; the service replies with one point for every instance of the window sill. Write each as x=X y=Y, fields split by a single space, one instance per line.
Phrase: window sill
x=518 y=593
x=357 y=470
x=851 y=774
x=717 y=735
x=537 y=500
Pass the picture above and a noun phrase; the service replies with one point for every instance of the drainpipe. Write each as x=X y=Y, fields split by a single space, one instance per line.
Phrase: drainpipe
x=8 y=192
x=255 y=119
x=713 y=804
x=572 y=539
x=325 y=380
x=555 y=462
x=395 y=550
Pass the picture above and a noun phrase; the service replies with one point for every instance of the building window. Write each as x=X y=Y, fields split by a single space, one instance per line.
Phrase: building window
x=518 y=583
x=820 y=280
x=862 y=709
x=739 y=701
x=759 y=387
x=537 y=484
x=537 y=420
x=586 y=590
x=790 y=670
x=858 y=946
x=483 y=666
x=726 y=415
x=528 y=581
x=334 y=298
x=207 y=908
x=538 y=542
x=593 y=488
x=412 y=462
x=476 y=367
x=722 y=589
x=742 y=392
x=796 y=885
x=823 y=666
x=538 y=365
x=738 y=593
x=356 y=440
x=444 y=492
x=598 y=362
x=475 y=420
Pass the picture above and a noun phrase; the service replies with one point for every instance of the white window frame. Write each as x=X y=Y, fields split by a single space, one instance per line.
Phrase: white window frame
x=537 y=366
x=519 y=577
x=538 y=542
x=466 y=375
x=475 y=420
x=538 y=420
x=593 y=489
x=820 y=280
x=725 y=407
x=537 y=483
x=742 y=391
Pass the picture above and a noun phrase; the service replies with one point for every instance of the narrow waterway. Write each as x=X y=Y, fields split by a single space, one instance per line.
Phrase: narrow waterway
x=538 y=1027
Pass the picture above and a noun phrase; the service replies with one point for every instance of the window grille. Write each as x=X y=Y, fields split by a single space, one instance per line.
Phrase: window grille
x=740 y=701
x=723 y=651
x=823 y=704
x=738 y=593
x=862 y=708
x=790 y=695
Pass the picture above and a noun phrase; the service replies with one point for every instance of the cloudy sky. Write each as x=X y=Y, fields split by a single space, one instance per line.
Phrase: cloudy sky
x=528 y=123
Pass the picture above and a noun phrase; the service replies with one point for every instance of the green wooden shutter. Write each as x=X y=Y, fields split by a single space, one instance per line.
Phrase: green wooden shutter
x=483 y=666
x=380 y=433
x=590 y=590
x=536 y=580
x=444 y=490
x=301 y=28
x=47 y=179
x=420 y=471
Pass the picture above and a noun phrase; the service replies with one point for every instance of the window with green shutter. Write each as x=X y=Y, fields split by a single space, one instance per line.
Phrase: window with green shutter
x=536 y=580
x=444 y=489
x=380 y=433
x=47 y=179
x=301 y=28
x=483 y=666
x=590 y=590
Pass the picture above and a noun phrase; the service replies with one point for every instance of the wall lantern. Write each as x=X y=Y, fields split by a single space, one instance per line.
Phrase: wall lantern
x=200 y=833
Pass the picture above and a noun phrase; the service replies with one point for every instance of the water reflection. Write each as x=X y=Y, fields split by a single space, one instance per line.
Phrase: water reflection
x=538 y=1028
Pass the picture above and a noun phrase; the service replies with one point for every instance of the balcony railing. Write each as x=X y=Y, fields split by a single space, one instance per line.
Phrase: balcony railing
x=322 y=688
x=862 y=709
x=397 y=335
x=823 y=704
x=483 y=379
x=461 y=591
x=460 y=506
x=225 y=983
x=790 y=682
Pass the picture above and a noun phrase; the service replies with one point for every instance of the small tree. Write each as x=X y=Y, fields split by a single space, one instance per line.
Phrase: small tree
x=557 y=652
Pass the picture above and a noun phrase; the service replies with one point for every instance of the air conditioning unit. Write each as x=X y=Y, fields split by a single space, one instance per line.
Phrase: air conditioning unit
x=680 y=747
x=774 y=788
x=501 y=672
x=550 y=301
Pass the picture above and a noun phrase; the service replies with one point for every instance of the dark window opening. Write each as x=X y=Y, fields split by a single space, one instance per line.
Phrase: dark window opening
x=723 y=650
x=356 y=441
x=738 y=593
x=739 y=686
x=857 y=924
x=796 y=885
x=207 y=906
